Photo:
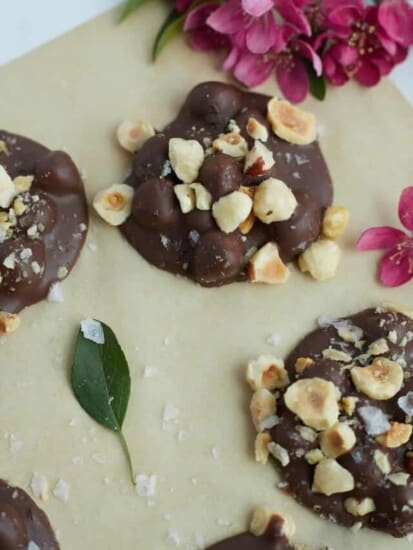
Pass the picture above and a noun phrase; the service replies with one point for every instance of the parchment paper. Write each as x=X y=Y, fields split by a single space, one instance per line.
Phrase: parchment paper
x=71 y=94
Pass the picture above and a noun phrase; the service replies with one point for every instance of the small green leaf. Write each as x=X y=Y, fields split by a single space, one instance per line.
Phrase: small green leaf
x=101 y=381
x=172 y=26
x=318 y=87
x=130 y=7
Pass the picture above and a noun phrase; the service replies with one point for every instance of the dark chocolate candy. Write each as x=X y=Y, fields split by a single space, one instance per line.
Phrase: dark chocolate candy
x=56 y=206
x=164 y=236
x=22 y=522
x=393 y=503
x=272 y=539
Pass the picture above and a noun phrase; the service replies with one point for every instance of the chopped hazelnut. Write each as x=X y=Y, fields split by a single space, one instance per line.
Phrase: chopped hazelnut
x=291 y=123
x=337 y=440
x=382 y=461
x=262 y=518
x=22 y=184
x=267 y=372
x=321 y=259
x=186 y=157
x=133 y=134
x=314 y=456
x=231 y=144
x=274 y=201
x=114 y=204
x=266 y=266
x=331 y=478
x=231 y=210
x=186 y=197
x=203 y=198
x=335 y=221
x=380 y=380
x=258 y=160
x=9 y=322
x=279 y=453
x=336 y=355
x=261 y=447
x=378 y=347
x=263 y=405
x=399 y=478
x=246 y=226
x=7 y=190
x=308 y=434
x=359 y=507
x=398 y=435
x=349 y=404
x=257 y=130
x=314 y=401
x=302 y=363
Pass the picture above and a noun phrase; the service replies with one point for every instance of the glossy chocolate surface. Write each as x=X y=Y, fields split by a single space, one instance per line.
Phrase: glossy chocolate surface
x=23 y=522
x=191 y=244
x=56 y=206
x=393 y=503
x=272 y=539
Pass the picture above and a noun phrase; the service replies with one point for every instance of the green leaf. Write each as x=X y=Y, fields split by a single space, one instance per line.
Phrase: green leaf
x=130 y=7
x=172 y=26
x=101 y=382
x=318 y=86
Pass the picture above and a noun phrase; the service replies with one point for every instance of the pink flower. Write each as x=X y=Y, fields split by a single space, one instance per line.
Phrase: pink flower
x=396 y=266
x=249 y=24
x=202 y=36
x=361 y=41
x=183 y=5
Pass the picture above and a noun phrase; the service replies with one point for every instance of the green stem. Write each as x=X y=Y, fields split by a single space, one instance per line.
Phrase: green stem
x=128 y=457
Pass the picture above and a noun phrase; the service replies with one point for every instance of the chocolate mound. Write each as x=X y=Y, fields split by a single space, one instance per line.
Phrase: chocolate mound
x=272 y=539
x=22 y=522
x=44 y=229
x=191 y=244
x=344 y=447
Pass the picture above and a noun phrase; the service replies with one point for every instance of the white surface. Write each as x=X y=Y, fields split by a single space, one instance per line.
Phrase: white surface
x=26 y=24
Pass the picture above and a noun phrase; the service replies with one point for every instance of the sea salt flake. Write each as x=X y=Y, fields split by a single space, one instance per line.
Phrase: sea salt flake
x=39 y=486
x=150 y=371
x=375 y=421
x=405 y=402
x=223 y=522
x=146 y=485
x=166 y=169
x=15 y=444
x=55 y=293
x=173 y=538
x=182 y=435
x=92 y=330
x=215 y=452
x=273 y=339
x=32 y=546
x=62 y=490
x=170 y=413
x=268 y=422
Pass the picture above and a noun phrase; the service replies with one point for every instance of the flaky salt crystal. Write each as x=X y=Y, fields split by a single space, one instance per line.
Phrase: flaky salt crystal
x=146 y=485
x=62 y=490
x=405 y=402
x=375 y=421
x=170 y=412
x=55 y=293
x=92 y=330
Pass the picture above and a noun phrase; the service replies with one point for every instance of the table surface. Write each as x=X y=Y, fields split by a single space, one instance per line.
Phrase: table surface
x=29 y=24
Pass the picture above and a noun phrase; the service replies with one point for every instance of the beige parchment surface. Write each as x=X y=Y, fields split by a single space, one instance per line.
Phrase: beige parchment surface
x=71 y=94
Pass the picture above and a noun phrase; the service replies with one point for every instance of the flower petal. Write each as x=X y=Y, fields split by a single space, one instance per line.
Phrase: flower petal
x=262 y=34
x=198 y=16
x=293 y=16
x=368 y=74
x=256 y=8
x=293 y=82
x=205 y=39
x=406 y=208
x=252 y=70
x=231 y=59
x=182 y=5
x=379 y=238
x=396 y=268
x=333 y=71
x=228 y=18
x=396 y=18
x=309 y=53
